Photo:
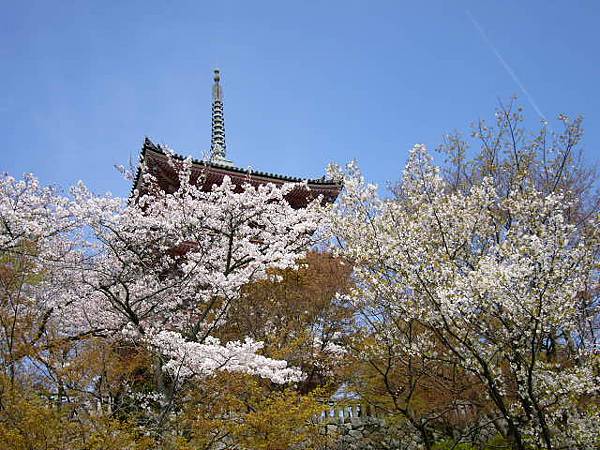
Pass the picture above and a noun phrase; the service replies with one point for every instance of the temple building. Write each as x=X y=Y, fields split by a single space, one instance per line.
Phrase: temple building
x=217 y=166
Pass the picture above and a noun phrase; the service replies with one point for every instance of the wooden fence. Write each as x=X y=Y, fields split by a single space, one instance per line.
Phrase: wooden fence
x=342 y=413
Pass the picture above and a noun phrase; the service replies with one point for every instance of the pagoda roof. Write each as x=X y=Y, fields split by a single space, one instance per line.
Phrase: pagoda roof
x=155 y=158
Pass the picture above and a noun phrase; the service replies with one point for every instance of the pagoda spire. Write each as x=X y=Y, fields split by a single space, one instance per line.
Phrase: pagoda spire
x=217 y=144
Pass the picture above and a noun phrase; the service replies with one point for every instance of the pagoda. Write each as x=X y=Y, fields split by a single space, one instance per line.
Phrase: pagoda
x=212 y=170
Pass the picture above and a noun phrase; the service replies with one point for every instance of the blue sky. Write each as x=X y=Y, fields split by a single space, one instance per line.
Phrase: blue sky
x=305 y=83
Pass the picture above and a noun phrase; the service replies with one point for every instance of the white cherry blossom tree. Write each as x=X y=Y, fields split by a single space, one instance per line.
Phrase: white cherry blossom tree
x=487 y=276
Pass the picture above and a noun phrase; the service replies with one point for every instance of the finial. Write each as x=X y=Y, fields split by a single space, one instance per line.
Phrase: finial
x=217 y=145
x=217 y=91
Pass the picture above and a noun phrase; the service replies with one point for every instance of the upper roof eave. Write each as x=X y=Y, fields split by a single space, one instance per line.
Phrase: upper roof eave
x=150 y=146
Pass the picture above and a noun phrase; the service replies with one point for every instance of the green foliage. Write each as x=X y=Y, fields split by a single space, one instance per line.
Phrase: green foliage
x=498 y=442
x=29 y=422
x=448 y=444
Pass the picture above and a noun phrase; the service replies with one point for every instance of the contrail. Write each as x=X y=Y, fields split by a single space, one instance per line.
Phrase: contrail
x=508 y=69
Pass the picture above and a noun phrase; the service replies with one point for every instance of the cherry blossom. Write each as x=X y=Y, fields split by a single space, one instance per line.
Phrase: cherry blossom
x=492 y=278
x=160 y=269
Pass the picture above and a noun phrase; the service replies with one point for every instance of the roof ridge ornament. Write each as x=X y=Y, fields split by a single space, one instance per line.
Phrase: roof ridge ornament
x=218 y=154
